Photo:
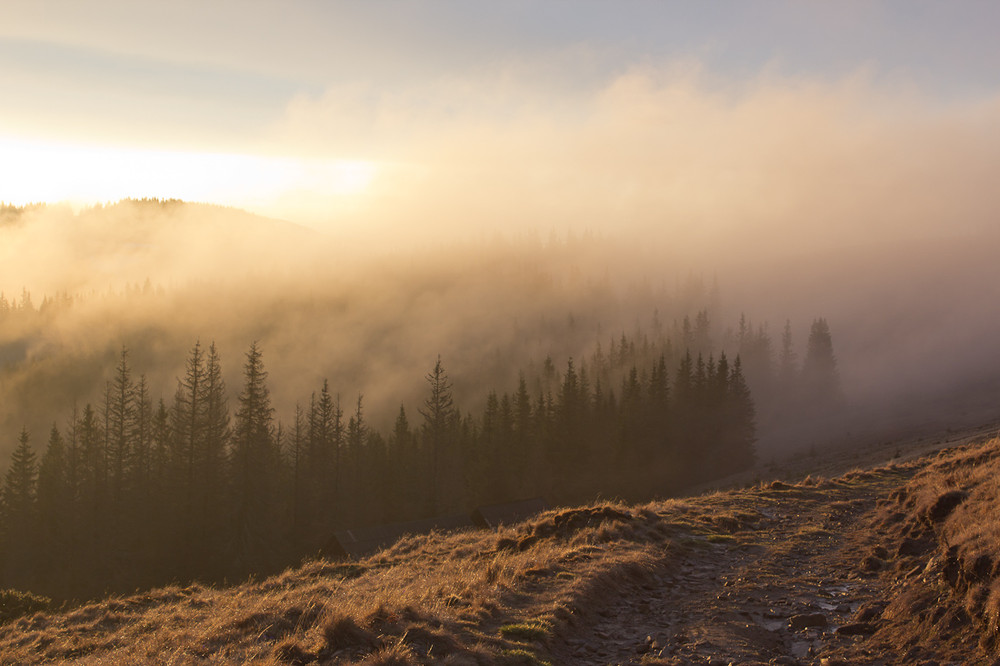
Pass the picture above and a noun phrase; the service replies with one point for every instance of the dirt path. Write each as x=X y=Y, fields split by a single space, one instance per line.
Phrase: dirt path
x=786 y=590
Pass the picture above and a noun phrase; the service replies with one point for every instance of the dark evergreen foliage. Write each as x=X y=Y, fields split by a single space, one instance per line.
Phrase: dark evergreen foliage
x=136 y=495
x=820 y=378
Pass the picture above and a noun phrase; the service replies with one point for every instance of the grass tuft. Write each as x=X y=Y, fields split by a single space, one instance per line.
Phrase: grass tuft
x=344 y=632
x=525 y=631
x=520 y=657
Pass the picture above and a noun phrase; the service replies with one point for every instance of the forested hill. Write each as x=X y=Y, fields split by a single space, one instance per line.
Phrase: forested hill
x=138 y=490
x=136 y=493
x=146 y=447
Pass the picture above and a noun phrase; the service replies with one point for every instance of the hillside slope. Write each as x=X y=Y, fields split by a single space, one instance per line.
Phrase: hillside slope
x=894 y=564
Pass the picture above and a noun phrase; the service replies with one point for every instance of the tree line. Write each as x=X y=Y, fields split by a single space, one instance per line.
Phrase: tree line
x=134 y=492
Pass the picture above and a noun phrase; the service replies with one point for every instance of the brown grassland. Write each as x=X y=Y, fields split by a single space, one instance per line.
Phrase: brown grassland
x=896 y=563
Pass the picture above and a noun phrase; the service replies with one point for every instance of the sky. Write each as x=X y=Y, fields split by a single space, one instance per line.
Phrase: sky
x=343 y=115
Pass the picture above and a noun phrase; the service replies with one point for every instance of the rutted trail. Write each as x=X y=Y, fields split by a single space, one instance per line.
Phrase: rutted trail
x=784 y=588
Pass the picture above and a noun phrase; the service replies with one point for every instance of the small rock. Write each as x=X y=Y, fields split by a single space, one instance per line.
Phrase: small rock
x=871 y=564
x=857 y=629
x=871 y=611
x=785 y=660
x=844 y=608
x=800 y=622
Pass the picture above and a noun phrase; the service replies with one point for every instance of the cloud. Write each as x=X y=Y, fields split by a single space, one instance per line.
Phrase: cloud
x=784 y=163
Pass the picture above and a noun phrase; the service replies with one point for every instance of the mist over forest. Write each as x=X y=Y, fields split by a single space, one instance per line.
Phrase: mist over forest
x=156 y=276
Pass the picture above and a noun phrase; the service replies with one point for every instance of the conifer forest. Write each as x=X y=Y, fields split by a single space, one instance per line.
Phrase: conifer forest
x=207 y=482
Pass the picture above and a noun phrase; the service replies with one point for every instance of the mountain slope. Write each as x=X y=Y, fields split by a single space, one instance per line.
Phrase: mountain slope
x=843 y=570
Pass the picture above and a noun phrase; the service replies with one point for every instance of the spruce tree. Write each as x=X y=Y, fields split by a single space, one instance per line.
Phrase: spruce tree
x=55 y=503
x=788 y=359
x=19 y=512
x=323 y=471
x=209 y=491
x=523 y=444
x=297 y=463
x=121 y=416
x=820 y=377
x=406 y=492
x=254 y=462
x=739 y=422
x=186 y=426
x=438 y=433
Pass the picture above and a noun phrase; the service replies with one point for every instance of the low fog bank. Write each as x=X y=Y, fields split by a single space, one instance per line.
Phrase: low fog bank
x=371 y=324
x=913 y=321
x=915 y=328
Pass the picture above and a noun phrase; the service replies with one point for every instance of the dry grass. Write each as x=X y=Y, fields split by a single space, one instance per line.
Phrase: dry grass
x=516 y=595
x=470 y=597
x=941 y=547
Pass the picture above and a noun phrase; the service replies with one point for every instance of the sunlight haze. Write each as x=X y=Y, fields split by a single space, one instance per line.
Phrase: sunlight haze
x=586 y=115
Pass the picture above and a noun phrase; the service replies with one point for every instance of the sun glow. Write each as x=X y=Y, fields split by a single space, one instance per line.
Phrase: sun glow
x=33 y=171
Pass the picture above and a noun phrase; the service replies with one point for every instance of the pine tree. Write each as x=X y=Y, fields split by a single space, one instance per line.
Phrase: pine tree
x=820 y=378
x=209 y=479
x=438 y=433
x=20 y=483
x=788 y=360
x=630 y=415
x=19 y=512
x=356 y=436
x=121 y=416
x=656 y=421
x=254 y=462
x=323 y=474
x=215 y=430
x=187 y=426
x=568 y=448
x=523 y=443
x=55 y=504
x=739 y=422
x=406 y=493
x=141 y=459
x=297 y=461
x=483 y=474
x=90 y=528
